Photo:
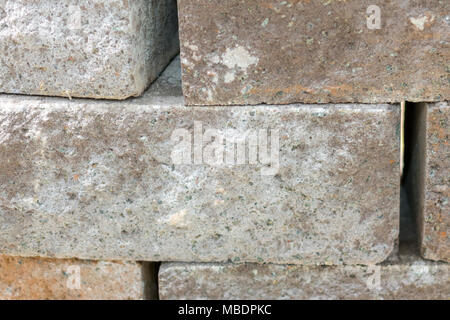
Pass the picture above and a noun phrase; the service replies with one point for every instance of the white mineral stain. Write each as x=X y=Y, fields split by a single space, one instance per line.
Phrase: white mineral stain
x=178 y=219
x=193 y=47
x=229 y=77
x=187 y=62
x=420 y=22
x=238 y=57
x=215 y=59
x=194 y=50
x=420 y=273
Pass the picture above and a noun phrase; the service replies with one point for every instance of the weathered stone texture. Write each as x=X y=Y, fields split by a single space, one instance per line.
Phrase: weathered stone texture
x=279 y=52
x=79 y=48
x=434 y=219
x=49 y=279
x=96 y=180
x=410 y=278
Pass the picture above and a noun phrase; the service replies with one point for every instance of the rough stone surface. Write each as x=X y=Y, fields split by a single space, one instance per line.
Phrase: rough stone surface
x=80 y=48
x=435 y=221
x=49 y=279
x=409 y=278
x=279 y=52
x=96 y=180
x=429 y=180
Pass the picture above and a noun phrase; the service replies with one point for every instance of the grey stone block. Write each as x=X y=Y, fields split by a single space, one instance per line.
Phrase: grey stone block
x=103 y=180
x=409 y=278
x=79 y=48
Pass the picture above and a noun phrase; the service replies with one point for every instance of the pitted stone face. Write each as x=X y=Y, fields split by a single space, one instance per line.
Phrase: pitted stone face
x=80 y=48
x=435 y=223
x=409 y=278
x=313 y=184
x=279 y=52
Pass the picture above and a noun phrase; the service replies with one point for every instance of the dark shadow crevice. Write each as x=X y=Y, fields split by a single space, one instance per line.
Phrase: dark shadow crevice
x=150 y=275
x=413 y=179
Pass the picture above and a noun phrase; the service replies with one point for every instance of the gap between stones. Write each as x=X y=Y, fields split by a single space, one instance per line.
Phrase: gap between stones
x=414 y=175
x=150 y=278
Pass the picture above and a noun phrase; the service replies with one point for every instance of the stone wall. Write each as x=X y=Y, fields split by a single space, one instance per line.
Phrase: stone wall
x=264 y=162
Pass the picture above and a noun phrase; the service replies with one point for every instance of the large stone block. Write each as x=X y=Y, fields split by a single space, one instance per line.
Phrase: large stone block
x=50 y=279
x=409 y=278
x=428 y=177
x=142 y=180
x=79 y=48
x=279 y=52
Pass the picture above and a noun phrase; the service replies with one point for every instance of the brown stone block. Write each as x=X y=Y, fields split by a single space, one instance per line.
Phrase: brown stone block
x=50 y=279
x=268 y=51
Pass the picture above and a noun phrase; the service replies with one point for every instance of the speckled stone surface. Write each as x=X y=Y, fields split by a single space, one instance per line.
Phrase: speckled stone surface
x=96 y=180
x=50 y=279
x=80 y=48
x=279 y=52
x=409 y=278
x=429 y=179
x=435 y=222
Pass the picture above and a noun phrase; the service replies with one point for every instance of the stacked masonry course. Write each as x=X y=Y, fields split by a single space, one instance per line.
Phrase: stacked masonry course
x=408 y=278
x=95 y=180
x=93 y=192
